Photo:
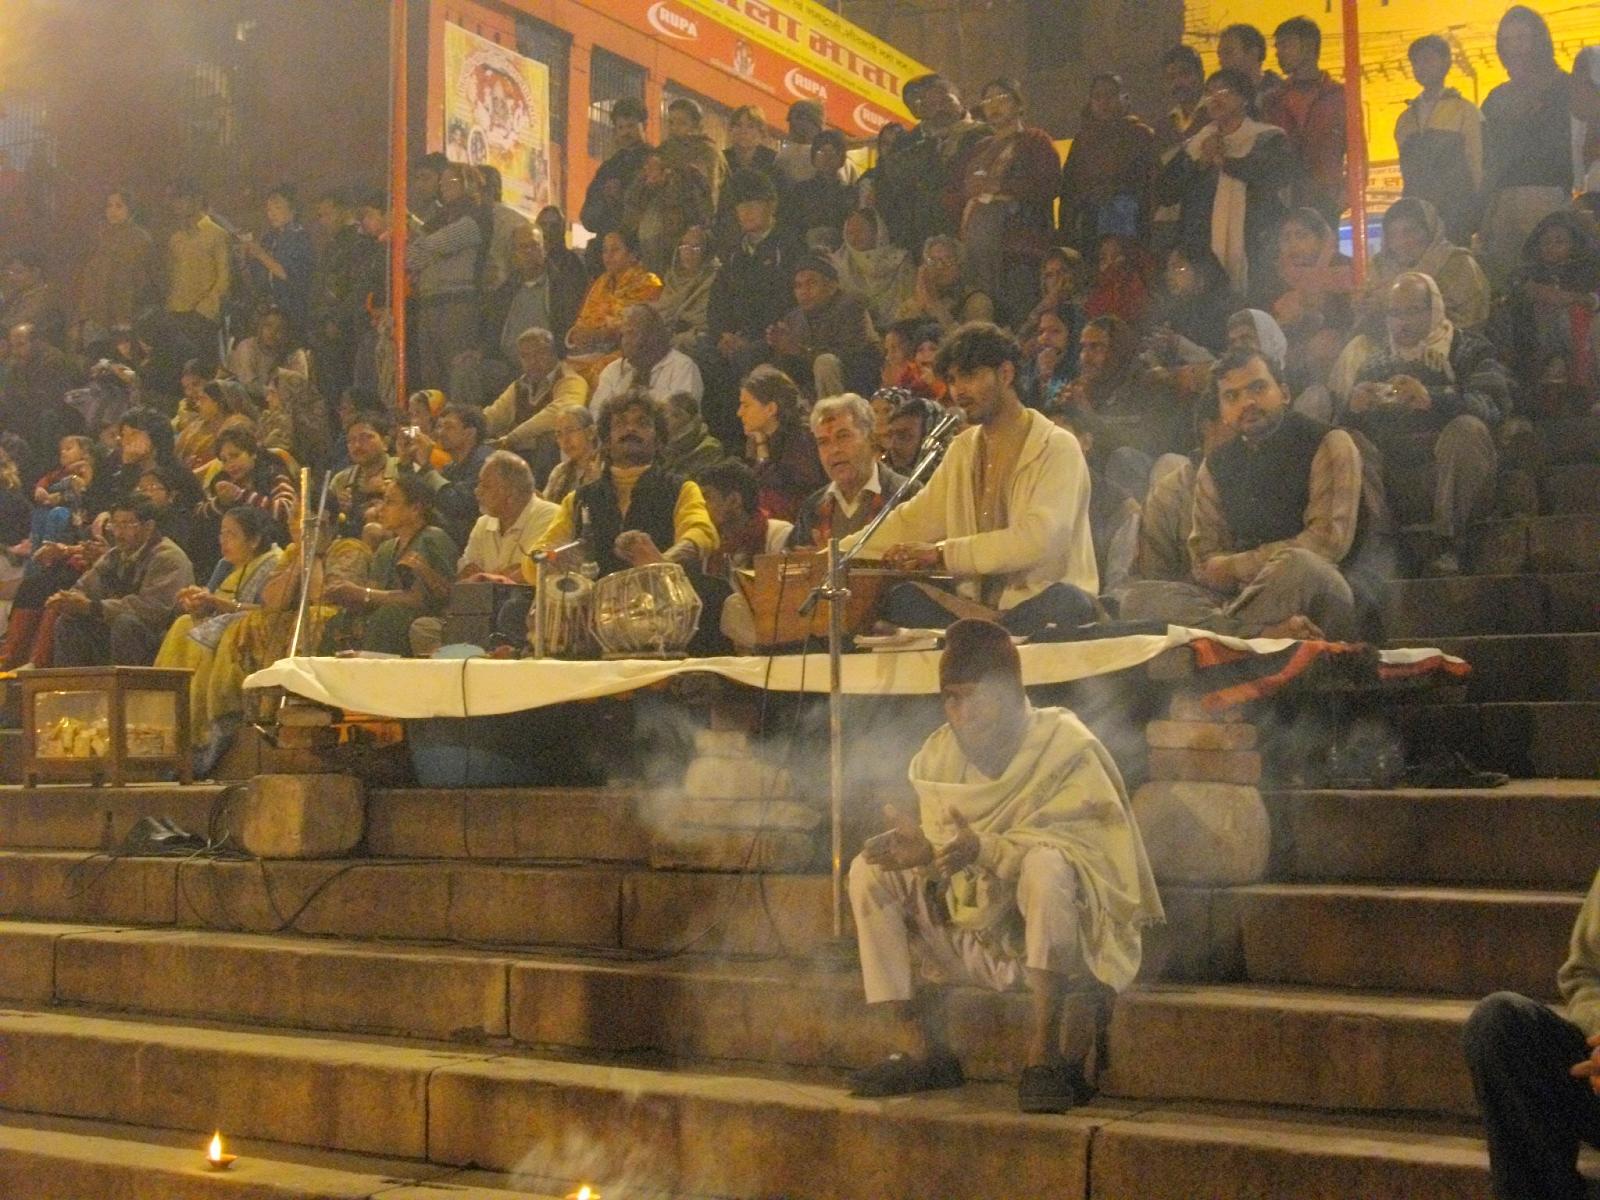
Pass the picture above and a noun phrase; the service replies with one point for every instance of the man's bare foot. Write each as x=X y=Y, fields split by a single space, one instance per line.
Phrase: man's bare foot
x=1301 y=628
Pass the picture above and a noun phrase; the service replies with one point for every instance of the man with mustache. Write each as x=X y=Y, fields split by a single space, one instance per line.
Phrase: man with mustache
x=636 y=512
x=1277 y=514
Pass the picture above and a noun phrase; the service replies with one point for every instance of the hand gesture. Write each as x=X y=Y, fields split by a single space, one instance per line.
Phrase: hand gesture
x=50 y=553
x=783 y=339
x=1589 y=1068
x=914 y=556
x=902 y=847
x=227 y=491
x=1215 y=574
x=637 y=548
x=421 y=448
x=961 y=851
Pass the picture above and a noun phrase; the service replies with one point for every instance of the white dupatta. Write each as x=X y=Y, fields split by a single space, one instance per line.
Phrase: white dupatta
x=1227 y=210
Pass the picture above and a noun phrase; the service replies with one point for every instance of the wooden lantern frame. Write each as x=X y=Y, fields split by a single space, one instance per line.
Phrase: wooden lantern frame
x=117 y=766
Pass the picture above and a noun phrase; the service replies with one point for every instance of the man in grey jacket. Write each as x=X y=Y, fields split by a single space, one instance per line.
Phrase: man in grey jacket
x=1537 y=1074
x=121 y=607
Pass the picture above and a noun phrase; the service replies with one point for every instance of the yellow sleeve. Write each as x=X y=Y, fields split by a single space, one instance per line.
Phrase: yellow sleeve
x=556 y=533
x=691 y=520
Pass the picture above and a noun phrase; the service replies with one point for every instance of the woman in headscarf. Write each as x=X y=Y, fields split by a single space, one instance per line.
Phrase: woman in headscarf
x=873 y=267
x=1546 y=325
x=686 y=291
x=662 y=201
x=1229 y=180
x=1119 y=288
x=1414 y=240
x=1010 y=184
x=1527 y=140
x=1106 y=178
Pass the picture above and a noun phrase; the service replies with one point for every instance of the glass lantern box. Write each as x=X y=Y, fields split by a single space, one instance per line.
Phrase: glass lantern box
x=119 y=724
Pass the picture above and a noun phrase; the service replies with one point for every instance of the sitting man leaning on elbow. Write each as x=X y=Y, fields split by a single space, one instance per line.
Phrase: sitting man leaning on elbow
x=1025 y=867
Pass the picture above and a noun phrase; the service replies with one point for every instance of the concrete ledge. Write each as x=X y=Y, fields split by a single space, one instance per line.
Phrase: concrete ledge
x=366 y=1097
x=1165 y=1155
x=1263 y=1045
x=286 y=981
x=302 y=816
x=27 y=960
x=82 y=818
x=74 y=886
x=544 y=823
x=701 y=1135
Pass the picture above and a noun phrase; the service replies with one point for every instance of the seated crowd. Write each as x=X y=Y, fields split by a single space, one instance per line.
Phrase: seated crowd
x=1170 y=399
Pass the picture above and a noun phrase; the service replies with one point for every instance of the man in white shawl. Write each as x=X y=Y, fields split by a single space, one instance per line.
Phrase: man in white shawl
x=1026 y=868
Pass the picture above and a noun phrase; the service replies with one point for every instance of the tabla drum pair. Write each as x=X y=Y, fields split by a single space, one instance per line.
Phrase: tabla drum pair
x=644 y=612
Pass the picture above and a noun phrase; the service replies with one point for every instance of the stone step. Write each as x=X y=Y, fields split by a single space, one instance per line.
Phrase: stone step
x=1521 y=738
x=1560 y=542
x=10 y=756
x=1419 y=610
x=781 y=1012
x=44 y=1158
x=1546 y=667
x=1570 y=489
x=507 y=823
x=1412 y=835
x=1276 y=1045
x=1449 y=940
x=1172 y=1153
x=651 y=1131
x=446 y=901
x=73 y=817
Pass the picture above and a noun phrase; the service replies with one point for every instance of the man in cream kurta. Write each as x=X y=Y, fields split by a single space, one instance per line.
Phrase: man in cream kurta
x=1006 y=513
x=1039 y=877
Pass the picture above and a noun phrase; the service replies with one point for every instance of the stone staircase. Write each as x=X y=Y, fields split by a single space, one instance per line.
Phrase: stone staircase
x=496 y=994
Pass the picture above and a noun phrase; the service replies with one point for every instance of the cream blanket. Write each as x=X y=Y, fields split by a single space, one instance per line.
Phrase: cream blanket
x=1062 y=789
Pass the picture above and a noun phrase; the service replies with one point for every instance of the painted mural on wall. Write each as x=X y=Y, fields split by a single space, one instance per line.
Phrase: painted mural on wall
x=497 y=113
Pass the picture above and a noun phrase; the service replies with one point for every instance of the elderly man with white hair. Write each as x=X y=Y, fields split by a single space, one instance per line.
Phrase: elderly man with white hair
x=1429 y=396
x=523 y=418
x=859 y=486
x=514 y=518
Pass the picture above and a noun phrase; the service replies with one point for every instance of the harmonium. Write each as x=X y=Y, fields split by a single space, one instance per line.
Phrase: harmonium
x=777 y=585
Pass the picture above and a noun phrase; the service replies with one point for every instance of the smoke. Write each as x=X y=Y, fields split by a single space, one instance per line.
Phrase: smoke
x=627 y=1164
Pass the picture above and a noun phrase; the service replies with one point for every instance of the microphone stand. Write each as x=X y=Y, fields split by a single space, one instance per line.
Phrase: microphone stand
x=835 y=590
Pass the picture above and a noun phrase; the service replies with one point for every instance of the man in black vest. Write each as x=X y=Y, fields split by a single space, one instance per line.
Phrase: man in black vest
x=1276 y=511
x=636 y=512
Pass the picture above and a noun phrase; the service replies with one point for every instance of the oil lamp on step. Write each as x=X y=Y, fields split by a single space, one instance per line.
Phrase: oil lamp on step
x=216 y=1160
x=584 y=1193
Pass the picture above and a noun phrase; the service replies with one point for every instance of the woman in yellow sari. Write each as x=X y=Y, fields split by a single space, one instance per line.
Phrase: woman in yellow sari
x=595 y=336
x=248 y=560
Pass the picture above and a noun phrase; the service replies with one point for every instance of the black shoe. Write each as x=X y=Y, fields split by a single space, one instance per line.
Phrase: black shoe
x=1056 y=1088
x=901 y=1075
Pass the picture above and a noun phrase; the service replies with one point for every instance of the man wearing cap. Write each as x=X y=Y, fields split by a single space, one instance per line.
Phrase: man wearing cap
x=1023 y=867
x=827 y=338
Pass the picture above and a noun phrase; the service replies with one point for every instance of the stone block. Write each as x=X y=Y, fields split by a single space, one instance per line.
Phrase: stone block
x=1566 y=543
x=1286 y=1046
x=57 y=886
x=1499 y=547
x=302 y=816
x=667 y=813
x=342 y=1095
x=1206 y=766
x=726 y=914
x=1186 y=706
x=726 y=767
x=1201 y=735
x=385 y=900
x=732 y=850
x=1574 y=603
x=1203 y=833
x=27 y=960
x=298 y=982
x=532 y=906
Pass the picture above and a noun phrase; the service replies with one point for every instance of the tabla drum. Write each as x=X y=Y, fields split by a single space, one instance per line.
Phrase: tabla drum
x=565 y=604
x=646 y=612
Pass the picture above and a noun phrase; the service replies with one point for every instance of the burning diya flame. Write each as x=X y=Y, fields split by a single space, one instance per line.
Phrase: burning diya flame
x=584 y=1193
x=215 y=1158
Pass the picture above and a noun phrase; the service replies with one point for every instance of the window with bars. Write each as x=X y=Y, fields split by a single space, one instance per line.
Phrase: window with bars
x=611 y=78
x=717 y=116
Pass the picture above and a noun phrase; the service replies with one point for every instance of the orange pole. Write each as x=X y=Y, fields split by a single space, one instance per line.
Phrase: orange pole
x=1355 y=140
x=399 y=210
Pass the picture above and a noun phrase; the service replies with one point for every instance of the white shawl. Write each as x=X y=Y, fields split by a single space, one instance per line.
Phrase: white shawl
x=1061 y=789
x=1227 y=210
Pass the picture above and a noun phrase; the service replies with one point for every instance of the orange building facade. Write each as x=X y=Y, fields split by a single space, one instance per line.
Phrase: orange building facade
x=721 y=53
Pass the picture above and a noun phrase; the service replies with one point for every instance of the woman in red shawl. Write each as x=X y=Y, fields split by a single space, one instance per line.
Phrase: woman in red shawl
x=1120 y=288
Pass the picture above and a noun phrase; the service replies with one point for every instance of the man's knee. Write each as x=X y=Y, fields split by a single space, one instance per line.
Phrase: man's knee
x=1465 y=434
x=863 y=875
x=1046 y=875
x=131 y=642
x=1499 y=1024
